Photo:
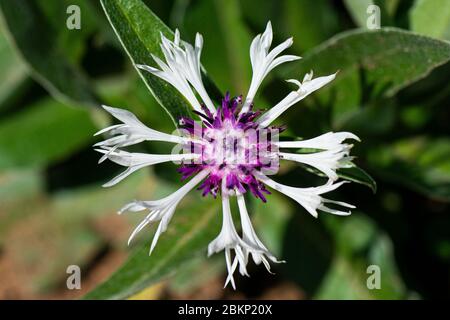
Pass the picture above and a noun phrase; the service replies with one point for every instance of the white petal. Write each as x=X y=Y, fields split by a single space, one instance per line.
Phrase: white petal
x=249 y=236
x=135 y=161
x=325 y=161
x=305 y=88
x=248 y=232
x=263 y=61
x=177 y=80
x=228 y=237
x=326 y=141
x=132 y=131
x=308 y=198
x=182 y=69
x=161 y=210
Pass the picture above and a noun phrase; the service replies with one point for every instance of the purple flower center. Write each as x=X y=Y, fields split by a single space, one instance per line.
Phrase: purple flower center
x=232 y=146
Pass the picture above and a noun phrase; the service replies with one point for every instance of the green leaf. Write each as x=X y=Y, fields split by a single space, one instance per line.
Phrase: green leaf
x=419 y=163
x=13 y=70
x=63 y=226
x=360 y=13
x=308 y=22
x=388 y=59
x=424 y=10
x=45 y=132
x=139 y=31
x=359 y=243
x=51 y=55
x=353 y=174
x=192 y=228
x=358 y=10
x=227 y=41
x=358 y=175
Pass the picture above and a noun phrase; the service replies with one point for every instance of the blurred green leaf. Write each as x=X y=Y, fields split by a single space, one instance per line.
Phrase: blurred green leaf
x=45 y=132
x=360 y=13
x=420 y=163
x=270 y=219
x=388 y=60
x=139 y=31
x=358 y=175
x=359 y=243
x=424 y=10
x=227 y=41
x=308 y=22
x=353 y=174
x=358 y=10
x=50 y=56
x=381 y=253
x=193 y=226
x=13 y=70
x=19 y=184
x=65 y=227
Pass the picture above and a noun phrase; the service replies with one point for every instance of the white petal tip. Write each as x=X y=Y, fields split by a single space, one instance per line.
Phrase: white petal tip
x=108 y=108
x=107 y=185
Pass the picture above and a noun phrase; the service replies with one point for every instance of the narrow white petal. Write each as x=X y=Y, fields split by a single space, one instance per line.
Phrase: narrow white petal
x=305 y=89
x=326 y=141
x=325 y=161
x=136 y=161
x=182 y=69
x=161 y=210
x=228 y=237
x=249 y=236
x=176 y=79
x=133 y=131
x=248 y=232
x=308 y=198
x=263 y=61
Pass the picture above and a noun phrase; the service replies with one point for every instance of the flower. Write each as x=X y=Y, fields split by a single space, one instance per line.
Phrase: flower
x=230 y=150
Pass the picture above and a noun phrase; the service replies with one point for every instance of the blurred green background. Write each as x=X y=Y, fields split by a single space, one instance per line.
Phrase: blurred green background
x=393 y=91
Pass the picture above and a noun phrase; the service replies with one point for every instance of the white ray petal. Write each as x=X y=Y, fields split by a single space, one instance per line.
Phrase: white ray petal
x=249 y=236
x=263 y=61
x=308 y=198
x=161 y=210
x=175 y=78
x=326 y=141
x=182 y=69
x=228 y=237
x=325 y=161
x=132 y=131
x=135 y=161
x=307 y=87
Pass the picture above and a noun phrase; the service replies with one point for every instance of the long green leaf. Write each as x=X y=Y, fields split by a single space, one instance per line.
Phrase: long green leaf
x=227 y=40
x=358 y=175
x=13 y=73
x=419 y=163
x=420 y=18
x=45 y=132
x=51 y=56
x=388 y=59
x=139 y=30
x=191 y=229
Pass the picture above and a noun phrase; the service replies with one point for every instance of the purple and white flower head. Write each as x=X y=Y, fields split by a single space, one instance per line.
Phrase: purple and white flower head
x=230 y=150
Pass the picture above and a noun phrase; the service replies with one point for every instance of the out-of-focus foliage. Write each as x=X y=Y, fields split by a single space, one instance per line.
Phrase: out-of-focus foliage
x=391 y=90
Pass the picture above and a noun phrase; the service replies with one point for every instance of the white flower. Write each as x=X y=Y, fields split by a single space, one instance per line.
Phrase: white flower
x=217 y=172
